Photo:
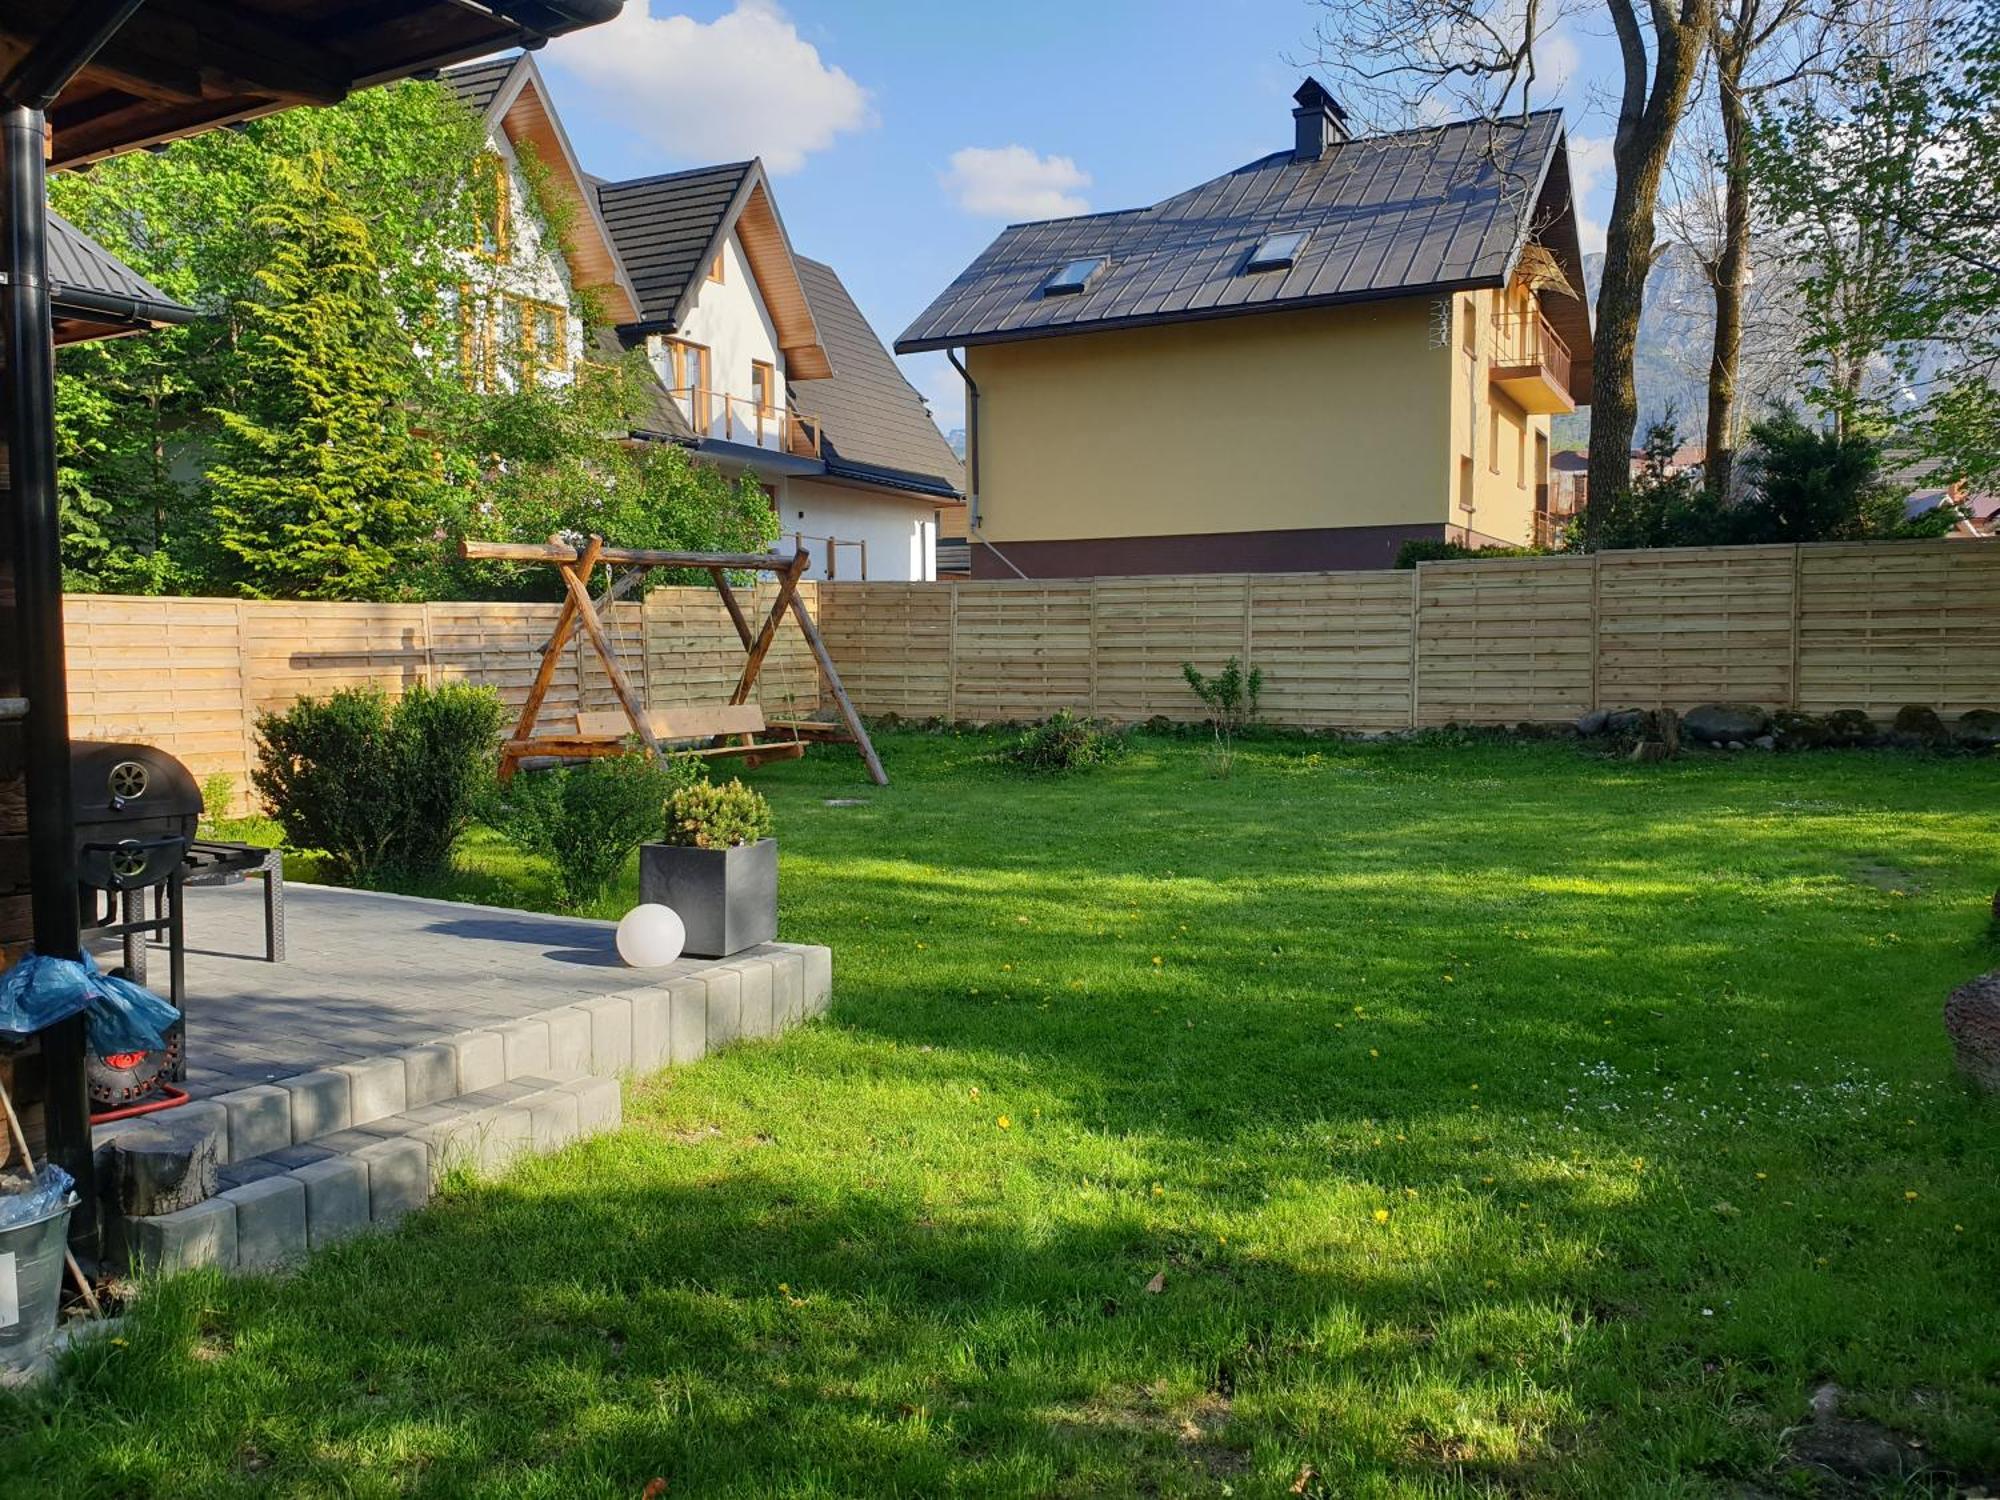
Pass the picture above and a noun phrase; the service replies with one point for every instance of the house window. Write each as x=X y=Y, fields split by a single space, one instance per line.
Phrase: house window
x=512 y=343
x=1465 y=485
x=1276 y=251
x=544 y=346
x=1468 y=336
x=495 y=227
x=1073 y=277
x=691 y=379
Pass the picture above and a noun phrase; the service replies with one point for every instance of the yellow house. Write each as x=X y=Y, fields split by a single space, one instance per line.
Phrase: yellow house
x=1300 y=364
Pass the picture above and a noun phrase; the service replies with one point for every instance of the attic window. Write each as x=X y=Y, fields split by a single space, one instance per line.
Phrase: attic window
x=1073 y=277
x=1276 y=251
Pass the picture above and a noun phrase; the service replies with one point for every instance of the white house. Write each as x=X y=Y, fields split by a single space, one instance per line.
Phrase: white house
x=765 y=365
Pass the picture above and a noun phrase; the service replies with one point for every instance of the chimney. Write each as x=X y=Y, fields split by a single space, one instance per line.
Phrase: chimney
x=1318 y=122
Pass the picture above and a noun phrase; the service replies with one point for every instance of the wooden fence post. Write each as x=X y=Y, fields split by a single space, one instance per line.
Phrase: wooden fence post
x=1798 y=605
x=1595 y=644
x=1416 y=639
x=951 y=659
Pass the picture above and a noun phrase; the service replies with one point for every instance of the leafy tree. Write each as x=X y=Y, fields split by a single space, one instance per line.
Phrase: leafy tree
x=1663 y=506
x=1813 y=485
x=320 y=490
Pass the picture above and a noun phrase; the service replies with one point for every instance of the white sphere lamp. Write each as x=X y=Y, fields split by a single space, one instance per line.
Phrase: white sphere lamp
x=651 y=936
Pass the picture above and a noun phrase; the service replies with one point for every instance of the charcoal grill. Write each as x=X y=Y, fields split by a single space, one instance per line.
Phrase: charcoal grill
x=137 y=809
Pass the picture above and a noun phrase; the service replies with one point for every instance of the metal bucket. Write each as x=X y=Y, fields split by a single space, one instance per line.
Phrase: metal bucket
x=31 y=1272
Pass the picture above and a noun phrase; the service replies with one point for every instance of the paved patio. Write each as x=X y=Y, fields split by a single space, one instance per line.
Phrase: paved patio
x=369 y=974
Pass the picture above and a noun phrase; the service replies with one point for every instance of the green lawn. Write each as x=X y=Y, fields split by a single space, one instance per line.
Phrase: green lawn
x=1504 y=1120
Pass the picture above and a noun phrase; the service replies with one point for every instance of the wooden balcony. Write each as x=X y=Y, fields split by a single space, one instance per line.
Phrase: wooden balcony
x=1530 y=362
x=741 y=419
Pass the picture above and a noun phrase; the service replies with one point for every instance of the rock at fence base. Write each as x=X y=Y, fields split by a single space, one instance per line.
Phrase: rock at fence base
x=164 y=1167
x=1972 y=1021
x=1766 y=742
x=1796 y=731
x=1719 y=723
x=1627 y=721
x=1918 y=725
x=1593 y=722
x=1978 y=729
x=1849 y=726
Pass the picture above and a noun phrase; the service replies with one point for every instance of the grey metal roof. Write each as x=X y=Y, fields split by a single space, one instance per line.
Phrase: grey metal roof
x=479 y=84
x=89 y=283
x=663 y=227
x=1387 y=215
x=875 y=425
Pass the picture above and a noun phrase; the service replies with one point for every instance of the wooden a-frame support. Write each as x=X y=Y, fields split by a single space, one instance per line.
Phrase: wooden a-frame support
x=576 y=567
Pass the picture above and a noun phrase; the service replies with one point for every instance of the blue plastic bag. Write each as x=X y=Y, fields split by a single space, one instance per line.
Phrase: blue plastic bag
x=50 y=1192
x=122 y=1016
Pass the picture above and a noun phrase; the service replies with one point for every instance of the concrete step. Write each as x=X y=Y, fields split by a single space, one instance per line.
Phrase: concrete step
x=312 y=1158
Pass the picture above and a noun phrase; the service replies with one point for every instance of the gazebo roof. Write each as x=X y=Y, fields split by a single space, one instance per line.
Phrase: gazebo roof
x=178 y=67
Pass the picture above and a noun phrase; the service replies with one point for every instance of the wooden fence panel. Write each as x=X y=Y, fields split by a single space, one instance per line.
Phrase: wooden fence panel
x=1695 y=625
x=694 y=656
x=1023 y=650
x=1504 y=641
x=1334 y=648
x=500 y=645
x=1143 y=629
x=893 y=645
x=1881 y=626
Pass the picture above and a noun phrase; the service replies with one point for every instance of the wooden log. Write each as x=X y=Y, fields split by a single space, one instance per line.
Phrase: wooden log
x=545 y=675
x=557 y=552
x=788 y=585
x=576 y=579
x=721 y=577
x=832 y=677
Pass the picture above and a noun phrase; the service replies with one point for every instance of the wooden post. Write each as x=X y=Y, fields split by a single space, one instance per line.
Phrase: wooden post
x=788 y=583
x=576 y=578
x=729 y=603
x=545 y=675
x=826 y=670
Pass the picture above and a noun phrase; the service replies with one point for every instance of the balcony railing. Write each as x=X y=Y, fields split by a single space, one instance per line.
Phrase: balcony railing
x=742 y=419
x=1531 y=361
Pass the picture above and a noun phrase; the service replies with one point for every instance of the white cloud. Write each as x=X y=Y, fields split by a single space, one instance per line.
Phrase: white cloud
x=1557 y=61
x=1590 y=175
x=1012 y=182
x=744 y=84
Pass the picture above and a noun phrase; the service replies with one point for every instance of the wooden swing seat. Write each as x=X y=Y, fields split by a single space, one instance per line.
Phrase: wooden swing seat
x=610 y=733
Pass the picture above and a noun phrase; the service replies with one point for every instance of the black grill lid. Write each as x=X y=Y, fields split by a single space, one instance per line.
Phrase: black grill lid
x=114 y=782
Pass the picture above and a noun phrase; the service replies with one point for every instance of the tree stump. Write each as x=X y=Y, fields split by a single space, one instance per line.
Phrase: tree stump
x=1972 y=1021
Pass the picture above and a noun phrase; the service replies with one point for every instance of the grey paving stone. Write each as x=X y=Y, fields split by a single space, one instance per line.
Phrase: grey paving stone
x=399 y=1177
x=375 y=1088
x=203 y=1235
x=260 y=1120
x=599 y=1104
x=482 y=1059
x=689 y=1003
x=818 y=978
x=321 y=1104
x=652 y=1030
x=553 y=1118
x=293 y=1157
x=758 y=1016
x=527 y=1044
x=610 y=1034
x=270 y=1222
x=569 y=1041
x=787 y=989
x=336 y=1199
x=430 y=1073
x=239 y=1172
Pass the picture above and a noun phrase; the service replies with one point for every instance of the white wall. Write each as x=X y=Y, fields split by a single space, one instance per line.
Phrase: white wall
x=730 y=319
x=901 y=532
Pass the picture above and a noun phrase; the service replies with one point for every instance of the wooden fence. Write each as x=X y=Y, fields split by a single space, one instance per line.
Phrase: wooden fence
x=1818 y=627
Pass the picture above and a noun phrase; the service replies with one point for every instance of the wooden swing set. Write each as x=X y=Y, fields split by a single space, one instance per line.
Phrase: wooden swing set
x=736 y=729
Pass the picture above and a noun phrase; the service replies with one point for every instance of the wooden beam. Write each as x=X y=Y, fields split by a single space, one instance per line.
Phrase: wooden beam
x=577 y=580
x=524 y=727
x=788 y=584
x=558 y=552
x=729 y=603
x=827 y=671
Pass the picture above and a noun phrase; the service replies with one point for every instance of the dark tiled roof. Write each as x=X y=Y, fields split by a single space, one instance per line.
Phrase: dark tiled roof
x=1386 y=215
x=478 y=84
x=663 y=227
x=876 y=427
x=89 y=282
x=662 y=416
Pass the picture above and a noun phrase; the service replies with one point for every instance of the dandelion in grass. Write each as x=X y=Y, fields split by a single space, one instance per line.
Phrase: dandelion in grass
x=1004 y=1123
x=1910 y=1197
x=1374 y=1052
x=1381 y=1216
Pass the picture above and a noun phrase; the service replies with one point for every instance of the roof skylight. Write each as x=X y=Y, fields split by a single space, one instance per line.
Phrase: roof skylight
x=1073 y=277
x=1276 y=251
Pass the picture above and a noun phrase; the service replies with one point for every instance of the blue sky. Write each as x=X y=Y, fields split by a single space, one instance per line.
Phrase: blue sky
x=903 y=135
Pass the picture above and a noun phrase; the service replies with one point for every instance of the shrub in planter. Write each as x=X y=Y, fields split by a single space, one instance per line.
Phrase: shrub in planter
x=1065 y=741
x=587 y=819
x=383 y=788
x=717 y=867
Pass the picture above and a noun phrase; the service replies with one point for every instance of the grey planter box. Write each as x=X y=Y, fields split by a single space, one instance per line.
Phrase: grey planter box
x=727 y=897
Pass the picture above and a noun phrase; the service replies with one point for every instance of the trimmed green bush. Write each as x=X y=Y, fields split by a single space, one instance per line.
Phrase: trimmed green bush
x=383 y=788
x=702 y=815
x=1065 y=741
x=586 y=820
